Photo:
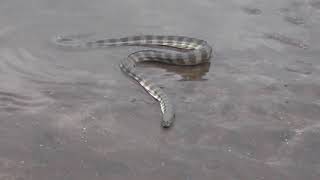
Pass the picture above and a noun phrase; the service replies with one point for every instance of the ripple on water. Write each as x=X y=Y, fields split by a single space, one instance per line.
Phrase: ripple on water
x=17 y=93
x=14 y=101
x=23 y=64
x=27 y=78
x=315 y=4
x=252 y=11
x=286 y=40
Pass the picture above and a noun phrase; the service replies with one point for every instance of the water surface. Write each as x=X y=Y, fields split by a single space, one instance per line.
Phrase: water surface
x=252 y=113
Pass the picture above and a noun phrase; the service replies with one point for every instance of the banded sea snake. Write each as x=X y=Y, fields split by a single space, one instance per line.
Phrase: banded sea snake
x=187 y=51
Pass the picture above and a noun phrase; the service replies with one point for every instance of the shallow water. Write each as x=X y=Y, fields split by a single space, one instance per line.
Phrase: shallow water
x=252 y=113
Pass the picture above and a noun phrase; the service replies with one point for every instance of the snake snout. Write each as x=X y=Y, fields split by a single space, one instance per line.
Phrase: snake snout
x=166 y=124
x=167 y=121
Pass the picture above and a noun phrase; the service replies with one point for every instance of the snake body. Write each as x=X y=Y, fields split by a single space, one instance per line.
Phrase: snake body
x=187 y=51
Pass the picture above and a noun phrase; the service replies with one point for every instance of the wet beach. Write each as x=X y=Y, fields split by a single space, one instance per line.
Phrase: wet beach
x=253 y=112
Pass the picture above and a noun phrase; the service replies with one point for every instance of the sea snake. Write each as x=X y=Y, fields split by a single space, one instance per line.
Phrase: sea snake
x=183 y=51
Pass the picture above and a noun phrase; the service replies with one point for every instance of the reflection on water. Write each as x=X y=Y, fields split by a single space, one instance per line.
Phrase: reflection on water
x=187 y=73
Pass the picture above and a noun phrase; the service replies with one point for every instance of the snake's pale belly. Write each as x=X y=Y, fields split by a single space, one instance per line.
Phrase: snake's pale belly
x=187 y=51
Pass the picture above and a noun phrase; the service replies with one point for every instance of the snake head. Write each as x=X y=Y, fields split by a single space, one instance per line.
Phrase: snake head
x=167 y=120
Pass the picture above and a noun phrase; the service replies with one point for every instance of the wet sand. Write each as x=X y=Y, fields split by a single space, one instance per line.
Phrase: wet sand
x=252 y=113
